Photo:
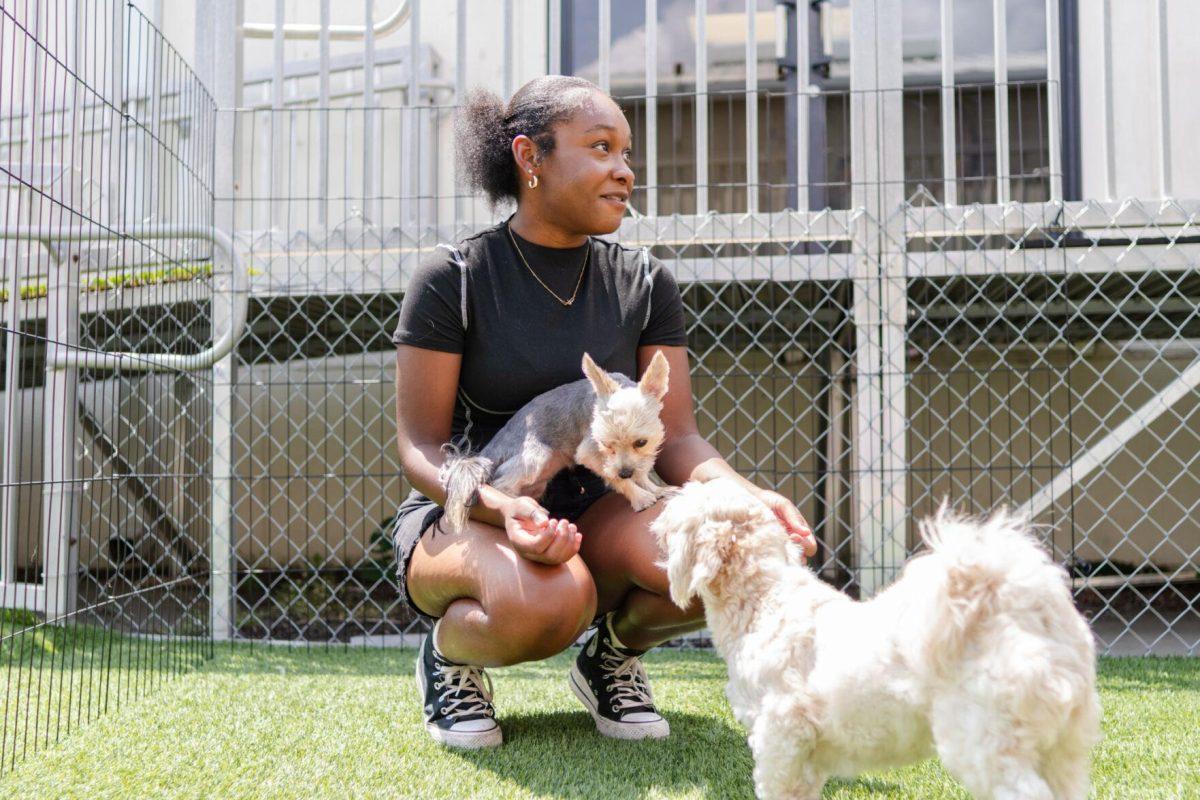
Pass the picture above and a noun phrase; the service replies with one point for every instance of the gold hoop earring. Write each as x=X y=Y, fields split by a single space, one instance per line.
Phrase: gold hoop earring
x=532 y=182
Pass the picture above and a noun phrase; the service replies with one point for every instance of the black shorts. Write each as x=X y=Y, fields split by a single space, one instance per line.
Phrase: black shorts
x=568 y=494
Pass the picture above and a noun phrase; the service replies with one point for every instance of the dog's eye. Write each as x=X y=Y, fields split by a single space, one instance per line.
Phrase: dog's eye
x=640 y=443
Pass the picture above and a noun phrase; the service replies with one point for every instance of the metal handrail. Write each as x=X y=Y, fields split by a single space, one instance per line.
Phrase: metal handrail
x=147 y=362
x=337 y=33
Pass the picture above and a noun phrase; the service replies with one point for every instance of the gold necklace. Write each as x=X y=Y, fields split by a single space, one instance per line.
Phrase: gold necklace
x=578 y=283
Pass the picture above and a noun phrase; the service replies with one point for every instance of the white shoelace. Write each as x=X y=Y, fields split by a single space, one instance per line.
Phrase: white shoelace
x=468 y=682
x=629 y=684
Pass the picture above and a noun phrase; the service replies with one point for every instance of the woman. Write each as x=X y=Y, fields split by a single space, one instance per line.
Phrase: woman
x=484 y=328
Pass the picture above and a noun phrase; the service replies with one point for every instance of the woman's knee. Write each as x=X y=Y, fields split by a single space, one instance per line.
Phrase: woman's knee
x=546 y=611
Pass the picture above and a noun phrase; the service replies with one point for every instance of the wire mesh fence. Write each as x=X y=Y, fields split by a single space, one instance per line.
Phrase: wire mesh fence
x=106 y=164
x=939 y=325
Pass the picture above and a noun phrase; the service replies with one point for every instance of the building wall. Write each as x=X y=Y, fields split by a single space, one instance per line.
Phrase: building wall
x=1135 y=109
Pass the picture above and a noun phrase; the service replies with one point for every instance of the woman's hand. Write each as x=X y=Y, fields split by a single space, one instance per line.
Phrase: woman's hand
x=536 y=536
x=793 y=521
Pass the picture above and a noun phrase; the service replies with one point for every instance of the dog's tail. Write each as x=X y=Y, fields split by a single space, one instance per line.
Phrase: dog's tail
x=996 y=586
x=989 y=567
x=461 y=476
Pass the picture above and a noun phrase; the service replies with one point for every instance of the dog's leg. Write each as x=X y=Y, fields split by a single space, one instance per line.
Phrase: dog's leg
x=638 y=497
x=780 y=774
x=781 y=744
x=1068 y=778
x=993 y=760
x=527 y=472
x=643 y=480
x=992 y=771
x=1067 y=765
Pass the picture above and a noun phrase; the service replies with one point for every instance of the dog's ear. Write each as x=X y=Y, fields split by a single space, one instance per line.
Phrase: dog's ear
x=654 y=380
x=692 y=560
x=601 y=381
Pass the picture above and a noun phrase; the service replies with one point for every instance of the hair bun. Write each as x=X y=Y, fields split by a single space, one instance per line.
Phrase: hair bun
x=485 y=126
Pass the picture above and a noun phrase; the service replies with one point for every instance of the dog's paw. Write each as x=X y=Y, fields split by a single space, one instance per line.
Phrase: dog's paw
x=643 y=500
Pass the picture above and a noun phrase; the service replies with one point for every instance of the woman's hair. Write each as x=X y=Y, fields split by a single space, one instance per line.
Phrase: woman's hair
x=485 y=128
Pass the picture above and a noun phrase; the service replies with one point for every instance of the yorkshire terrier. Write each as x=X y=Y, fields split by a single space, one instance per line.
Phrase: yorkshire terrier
x=605 y=422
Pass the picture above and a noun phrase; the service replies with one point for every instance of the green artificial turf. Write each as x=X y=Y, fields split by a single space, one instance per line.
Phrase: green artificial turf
x=283 y=722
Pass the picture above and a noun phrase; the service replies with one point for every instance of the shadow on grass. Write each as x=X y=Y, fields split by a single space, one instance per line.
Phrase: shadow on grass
x=560 y=754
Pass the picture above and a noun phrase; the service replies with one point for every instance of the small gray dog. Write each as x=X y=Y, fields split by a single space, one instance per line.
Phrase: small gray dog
x=604 y=422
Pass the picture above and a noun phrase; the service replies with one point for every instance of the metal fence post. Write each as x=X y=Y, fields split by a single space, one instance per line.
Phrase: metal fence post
x=877 y=171
x=226 y=83
x=61 y=491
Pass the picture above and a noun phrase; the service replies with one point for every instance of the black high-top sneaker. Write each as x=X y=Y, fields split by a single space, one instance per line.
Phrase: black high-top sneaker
x=611 y=682
x=458 y=704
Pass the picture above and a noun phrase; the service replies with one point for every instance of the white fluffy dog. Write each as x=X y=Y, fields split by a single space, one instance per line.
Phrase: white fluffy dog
x=976 y=653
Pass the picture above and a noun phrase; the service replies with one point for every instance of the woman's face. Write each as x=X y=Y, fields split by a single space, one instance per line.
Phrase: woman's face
x=587 y=178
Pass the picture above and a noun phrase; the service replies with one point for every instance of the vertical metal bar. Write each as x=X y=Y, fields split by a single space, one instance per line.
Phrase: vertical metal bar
x=411 y=153
x=554 y=32
x=1000 y=59
x=803 y=101
x=151 y=207
x=651 y=177
x=227 y=17
x=1108 y=146
x=701 y=115
x=323 y=116
x=864 y=171
x=116 y=134
x=279 y=142
x=460 y=75
x=1164 y=100
x=12 y=377
x=751 y=106
x=370 y=179
x=880 y=289
x=12 y=254
x=507 y=12
x=604 y=44
x=1053 y=98
x=60 y=492
x=949 y=111
x=894 y=292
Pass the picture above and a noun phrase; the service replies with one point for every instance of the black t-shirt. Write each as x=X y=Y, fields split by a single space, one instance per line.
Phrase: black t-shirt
x=517 y=340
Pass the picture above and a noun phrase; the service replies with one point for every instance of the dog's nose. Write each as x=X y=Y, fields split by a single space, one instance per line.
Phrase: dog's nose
x=626 y=473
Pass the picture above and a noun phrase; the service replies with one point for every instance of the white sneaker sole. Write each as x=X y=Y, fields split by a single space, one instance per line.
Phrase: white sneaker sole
x=657 y=729
x=472 y=740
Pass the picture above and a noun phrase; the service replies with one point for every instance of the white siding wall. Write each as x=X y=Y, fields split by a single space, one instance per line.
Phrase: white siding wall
x=1136 y=109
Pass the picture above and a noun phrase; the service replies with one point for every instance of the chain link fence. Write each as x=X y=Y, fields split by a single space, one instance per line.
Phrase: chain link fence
x=866 y=363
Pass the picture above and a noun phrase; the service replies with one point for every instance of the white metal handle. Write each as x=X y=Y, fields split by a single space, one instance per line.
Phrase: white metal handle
x=147 y=362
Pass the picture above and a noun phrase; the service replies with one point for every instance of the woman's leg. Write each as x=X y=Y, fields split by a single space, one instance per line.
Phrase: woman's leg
x=621 y=554
x=497 y=608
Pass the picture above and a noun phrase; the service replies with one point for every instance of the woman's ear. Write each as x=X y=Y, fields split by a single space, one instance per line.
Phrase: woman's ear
x=526 y=153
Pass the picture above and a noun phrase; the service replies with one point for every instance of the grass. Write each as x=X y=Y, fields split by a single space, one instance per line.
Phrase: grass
x=279 y=722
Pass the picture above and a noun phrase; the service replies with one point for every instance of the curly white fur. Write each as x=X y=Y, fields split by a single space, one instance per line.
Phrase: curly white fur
x=975 y=653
